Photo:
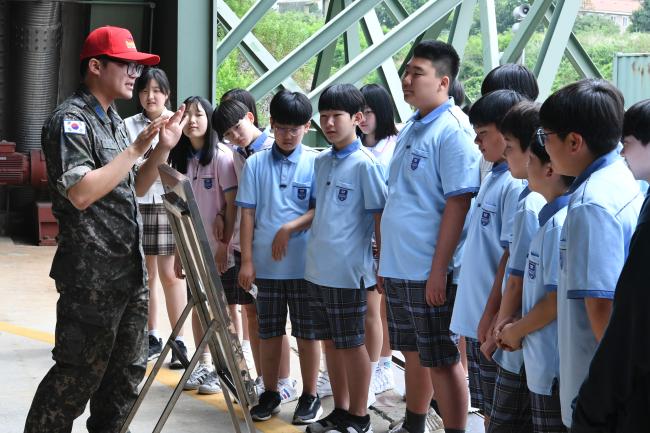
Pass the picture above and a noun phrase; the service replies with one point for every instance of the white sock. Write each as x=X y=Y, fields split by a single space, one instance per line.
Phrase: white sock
x=284 y=381
x=154 y=333
x=386 y=361
x=373 y=367
x=205 y=358
x=180 y=338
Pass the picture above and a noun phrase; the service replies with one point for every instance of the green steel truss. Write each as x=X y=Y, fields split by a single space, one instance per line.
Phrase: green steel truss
x=344 y=18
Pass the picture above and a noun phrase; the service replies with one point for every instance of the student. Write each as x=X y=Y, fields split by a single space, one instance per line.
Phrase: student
x=235 y=124
x=379 y=135
x=485 y=251
x=614 y=396
x=349 y=192
x=153 y=91
x=511 y=405
x=433 y=176
x=509 y=77
x=210 y=168
x=536 y=331
x=582 y=125
x=274 y=195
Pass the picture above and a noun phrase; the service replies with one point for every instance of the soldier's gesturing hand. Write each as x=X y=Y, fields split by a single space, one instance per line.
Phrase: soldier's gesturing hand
x=171 y=131
x=143 y=140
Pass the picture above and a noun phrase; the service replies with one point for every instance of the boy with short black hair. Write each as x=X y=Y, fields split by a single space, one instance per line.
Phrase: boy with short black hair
x=433 y=176
x=617 y=398
x=349 y=192
x=582 y=125
x=486 y=247
x=274 y=196
x=536 y=331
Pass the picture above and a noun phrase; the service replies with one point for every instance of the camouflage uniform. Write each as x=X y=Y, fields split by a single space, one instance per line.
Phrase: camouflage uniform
x=100 y=349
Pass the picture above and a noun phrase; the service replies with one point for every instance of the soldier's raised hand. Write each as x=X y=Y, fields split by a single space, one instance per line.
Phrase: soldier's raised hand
x=171 y=130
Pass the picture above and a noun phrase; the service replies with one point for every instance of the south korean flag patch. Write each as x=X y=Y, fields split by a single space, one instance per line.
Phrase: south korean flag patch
x=74 y=127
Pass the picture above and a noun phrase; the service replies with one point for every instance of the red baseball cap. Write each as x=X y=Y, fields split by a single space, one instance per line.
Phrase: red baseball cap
x=115 y=42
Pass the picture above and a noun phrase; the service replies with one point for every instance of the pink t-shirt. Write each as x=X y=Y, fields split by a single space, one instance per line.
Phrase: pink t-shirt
x=209 y=183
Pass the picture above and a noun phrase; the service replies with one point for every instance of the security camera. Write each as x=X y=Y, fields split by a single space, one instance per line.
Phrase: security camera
x=520 y=12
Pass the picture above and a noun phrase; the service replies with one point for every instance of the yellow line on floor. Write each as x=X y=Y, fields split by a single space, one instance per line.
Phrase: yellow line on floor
x=166 y=377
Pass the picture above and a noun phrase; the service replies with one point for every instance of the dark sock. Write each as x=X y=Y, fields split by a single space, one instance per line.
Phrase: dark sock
x=454 y=430
x=414 y=422
x=358 y=420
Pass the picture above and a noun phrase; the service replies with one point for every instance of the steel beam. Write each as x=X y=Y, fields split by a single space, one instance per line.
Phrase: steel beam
x=490 y=37
x=237 y=33
x=351 y=40
x=396 y=10
x=526 y=30
x=432 y=33
x=459 y=33
x=317 y=42
x=397 y=38
x=555 y=42
x=194 y=22
x=325 y=58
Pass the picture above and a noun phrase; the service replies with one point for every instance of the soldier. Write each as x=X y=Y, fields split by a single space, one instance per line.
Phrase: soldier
x=100 y=350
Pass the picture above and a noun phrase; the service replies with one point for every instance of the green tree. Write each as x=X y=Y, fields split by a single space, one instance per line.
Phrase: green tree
x=641 y=18
x=595 y=24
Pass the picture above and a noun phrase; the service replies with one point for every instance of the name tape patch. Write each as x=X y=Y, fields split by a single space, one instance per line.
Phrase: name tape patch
x=74 y=127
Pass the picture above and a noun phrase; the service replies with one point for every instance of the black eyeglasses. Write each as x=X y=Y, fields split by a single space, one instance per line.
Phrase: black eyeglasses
x=540 y=136
x=133 y=69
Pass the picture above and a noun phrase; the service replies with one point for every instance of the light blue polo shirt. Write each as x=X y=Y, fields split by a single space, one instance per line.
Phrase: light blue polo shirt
x=435 y=159
x=278 y=187
x=349 y=188
x=525 y=225
x=601 y=218
x=541 y=355
x=488 y=235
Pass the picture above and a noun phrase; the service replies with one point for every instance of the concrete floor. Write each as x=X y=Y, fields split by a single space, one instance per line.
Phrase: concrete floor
x=27 y=319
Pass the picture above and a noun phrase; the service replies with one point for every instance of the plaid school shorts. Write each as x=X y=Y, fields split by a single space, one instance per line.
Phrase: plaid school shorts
x=235 y=295
x=274 y=297
x=482 y=376
x=157 y=236
x=413 y=325
x=511 y=407
x=547 y=415
x=338 y=314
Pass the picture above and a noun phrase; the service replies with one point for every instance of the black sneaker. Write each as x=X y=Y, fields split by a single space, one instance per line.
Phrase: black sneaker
x=176 y=363
x=155 y=347
x=350 y=425
x=269 y=404
x=308 y=410
x=330 y=423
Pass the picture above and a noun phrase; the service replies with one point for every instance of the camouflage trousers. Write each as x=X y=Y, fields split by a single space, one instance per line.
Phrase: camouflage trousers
x=101 y=356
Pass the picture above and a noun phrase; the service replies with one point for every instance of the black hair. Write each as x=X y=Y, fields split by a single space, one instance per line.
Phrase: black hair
x=246 y=98
x=492 y=108
x=521 y=121
x=83 y=66
x=591 y=107
x=380 y=102
x=344 y=97
x=513 y=77
x=153 y=73
x=457 y=91
x=290 y=108
x=183 y=150
x=637 y=121
x=227 y=115
x=443 y=56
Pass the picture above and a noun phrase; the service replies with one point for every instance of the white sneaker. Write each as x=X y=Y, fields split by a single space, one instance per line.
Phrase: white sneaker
x=287 y=390
x=382 y=380
x=323 y=385
x=197 y=377
x=211 y=384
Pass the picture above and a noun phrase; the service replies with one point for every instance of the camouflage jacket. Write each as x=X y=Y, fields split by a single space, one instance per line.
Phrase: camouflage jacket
x=99 y=246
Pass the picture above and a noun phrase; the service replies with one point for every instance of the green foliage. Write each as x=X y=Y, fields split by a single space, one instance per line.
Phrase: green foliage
x=595 y=24
x=641 y=18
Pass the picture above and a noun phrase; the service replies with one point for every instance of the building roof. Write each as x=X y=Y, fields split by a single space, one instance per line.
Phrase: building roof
x=619 y=7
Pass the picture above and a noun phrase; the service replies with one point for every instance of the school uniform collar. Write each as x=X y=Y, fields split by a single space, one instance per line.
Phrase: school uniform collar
x=552 y=208
x=256 y=145
x=293 y=157
x=499 y=168
x=598 y=164
x=380 y=146
x=434 y=114
x=524 y=193
x=347 y=150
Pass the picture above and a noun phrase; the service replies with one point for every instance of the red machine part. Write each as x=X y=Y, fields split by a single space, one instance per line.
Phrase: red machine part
x=14 y=167
x=39 y=170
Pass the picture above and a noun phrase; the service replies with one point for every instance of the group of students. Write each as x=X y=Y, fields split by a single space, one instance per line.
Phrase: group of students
x=413 y=241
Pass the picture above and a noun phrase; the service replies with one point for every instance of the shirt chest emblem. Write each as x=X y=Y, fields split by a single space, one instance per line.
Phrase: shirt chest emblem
x=302 y=193
x=207 y=183
x=532 y=270
x=415 y=162
x=343 y=194
x=485 y=218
